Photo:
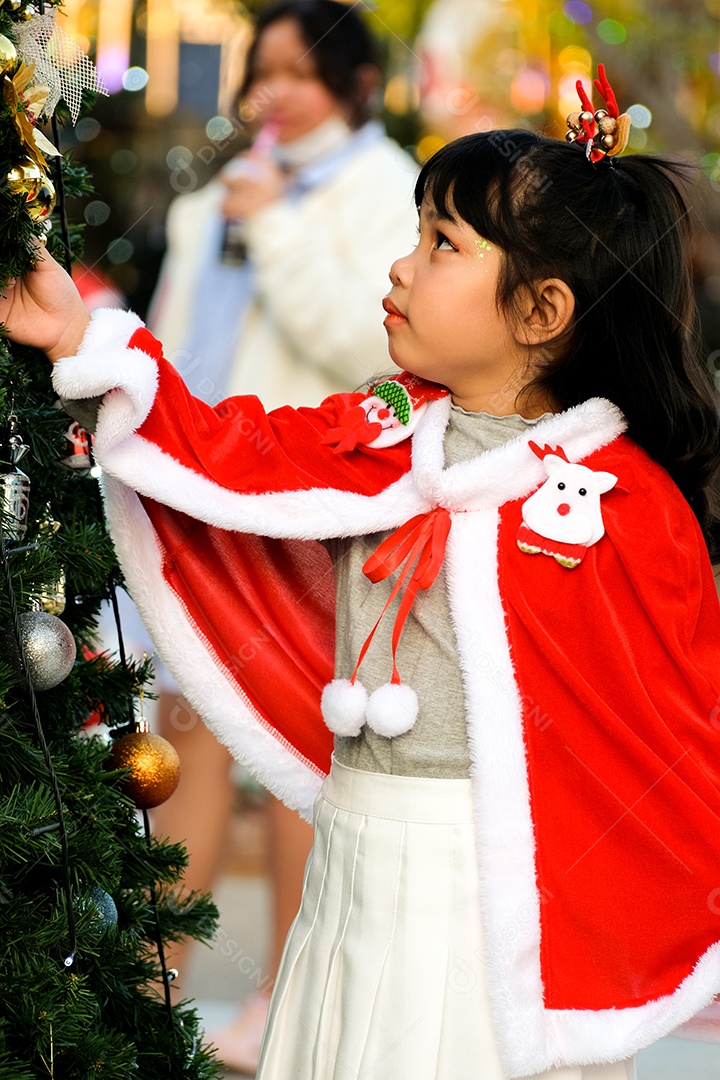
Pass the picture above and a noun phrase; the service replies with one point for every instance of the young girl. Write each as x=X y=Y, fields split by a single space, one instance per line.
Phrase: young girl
x=515 y=869
x=325 y=209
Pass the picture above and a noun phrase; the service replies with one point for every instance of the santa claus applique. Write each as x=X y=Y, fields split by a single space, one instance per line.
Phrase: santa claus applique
x=390 y=413
x=564 y=518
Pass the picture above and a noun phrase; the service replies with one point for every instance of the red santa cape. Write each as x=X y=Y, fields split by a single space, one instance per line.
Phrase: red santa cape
x=591 y=693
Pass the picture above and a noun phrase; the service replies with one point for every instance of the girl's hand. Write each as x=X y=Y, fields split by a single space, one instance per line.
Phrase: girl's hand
x=252 y=182
x=44 y=309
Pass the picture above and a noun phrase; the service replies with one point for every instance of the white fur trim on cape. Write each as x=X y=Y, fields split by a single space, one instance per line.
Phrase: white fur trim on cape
x=343 y=706
x=207 y=686
x=506 y=472
x=531 y=1038
x=104 y=362
x=314 y=513
x=511 y=470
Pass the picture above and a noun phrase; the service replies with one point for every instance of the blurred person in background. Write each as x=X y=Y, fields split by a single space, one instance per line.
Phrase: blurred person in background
x=272 y=285
x=461 y=91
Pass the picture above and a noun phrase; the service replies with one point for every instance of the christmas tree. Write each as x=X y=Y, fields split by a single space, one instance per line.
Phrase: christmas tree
x=87 y=895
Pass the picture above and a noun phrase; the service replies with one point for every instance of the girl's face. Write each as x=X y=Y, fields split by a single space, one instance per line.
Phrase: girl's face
x=286 y=87
x=443 y=323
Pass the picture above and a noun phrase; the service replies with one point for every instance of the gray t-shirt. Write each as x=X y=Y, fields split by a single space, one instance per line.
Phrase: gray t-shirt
x=427 y=653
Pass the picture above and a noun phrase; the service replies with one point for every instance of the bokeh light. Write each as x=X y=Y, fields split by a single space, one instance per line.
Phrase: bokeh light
x=87 y=129
x=575 y=60
x=219 y=128
x=97 y=212
x=640 y=116
x=120 y=251
x=112 y=63
x=527 y=91
x=568 y=100
x=710 y=165
x=428 y=146
x=637 y=139
x=578 y=13
x=135 y=78
x=401 y=95
x=123 y=161
x=714 y=62
x=179 y=158
x=611 y=32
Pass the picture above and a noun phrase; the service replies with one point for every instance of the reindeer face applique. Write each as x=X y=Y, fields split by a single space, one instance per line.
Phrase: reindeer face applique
x=564 y=518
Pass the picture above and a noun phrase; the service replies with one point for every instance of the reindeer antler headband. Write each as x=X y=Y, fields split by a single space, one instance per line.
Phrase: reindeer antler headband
x=603 y=131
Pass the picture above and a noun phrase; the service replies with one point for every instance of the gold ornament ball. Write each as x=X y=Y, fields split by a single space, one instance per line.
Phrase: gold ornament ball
x=26 y=178
x=51 y=597
x=43 y=204
x=154 y=767
x=8 y=56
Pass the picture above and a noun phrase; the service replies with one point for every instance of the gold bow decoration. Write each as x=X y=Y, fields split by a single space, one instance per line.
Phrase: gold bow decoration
x=61 y=66
x=26 y=101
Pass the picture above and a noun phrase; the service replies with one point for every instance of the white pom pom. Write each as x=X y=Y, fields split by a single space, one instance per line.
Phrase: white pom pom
x=392 y=709
x=343 y=706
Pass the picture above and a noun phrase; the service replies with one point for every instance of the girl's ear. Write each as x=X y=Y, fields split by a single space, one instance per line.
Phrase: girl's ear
x=546 y=313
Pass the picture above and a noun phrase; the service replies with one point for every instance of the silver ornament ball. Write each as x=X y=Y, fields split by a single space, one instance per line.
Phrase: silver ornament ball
x=49 y=648
x=103 y=901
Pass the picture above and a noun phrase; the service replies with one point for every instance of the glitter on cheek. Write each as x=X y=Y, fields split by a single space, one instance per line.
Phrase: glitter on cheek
x=482 y=245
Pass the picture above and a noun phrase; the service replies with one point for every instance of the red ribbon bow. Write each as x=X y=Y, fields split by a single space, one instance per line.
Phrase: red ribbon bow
x=420 y=543
x=354 y=428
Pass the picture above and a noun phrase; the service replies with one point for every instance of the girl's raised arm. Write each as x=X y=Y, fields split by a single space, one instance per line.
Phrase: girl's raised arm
x=44 y=309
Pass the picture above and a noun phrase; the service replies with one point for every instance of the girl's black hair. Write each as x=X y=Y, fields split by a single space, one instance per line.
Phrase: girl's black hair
x=618 y=233
x=340 y=43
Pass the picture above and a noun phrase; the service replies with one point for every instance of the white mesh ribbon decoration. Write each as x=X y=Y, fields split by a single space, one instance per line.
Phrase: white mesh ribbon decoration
x=60 y=63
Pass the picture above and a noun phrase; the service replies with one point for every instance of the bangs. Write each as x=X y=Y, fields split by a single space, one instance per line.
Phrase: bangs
x=478 y=178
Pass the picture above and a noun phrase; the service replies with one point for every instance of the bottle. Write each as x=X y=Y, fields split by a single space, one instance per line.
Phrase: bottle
x=234 y=244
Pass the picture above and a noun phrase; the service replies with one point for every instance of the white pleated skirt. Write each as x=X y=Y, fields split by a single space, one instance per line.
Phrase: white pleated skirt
x=380 y=978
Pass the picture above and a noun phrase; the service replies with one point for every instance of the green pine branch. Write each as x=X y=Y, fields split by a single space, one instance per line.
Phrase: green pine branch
x=103 y=1016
